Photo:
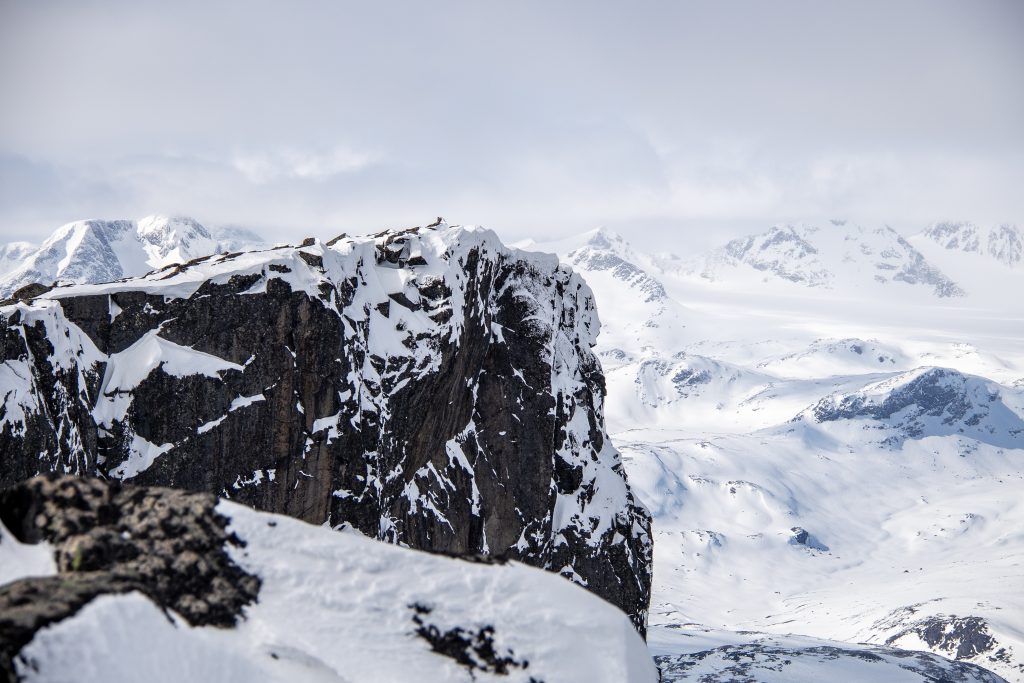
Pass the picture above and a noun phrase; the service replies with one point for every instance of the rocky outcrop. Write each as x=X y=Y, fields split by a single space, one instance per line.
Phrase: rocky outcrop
x=927 y=401
x=962 y=638
x=1004 y=243
x=168 y=545
x=430 y=388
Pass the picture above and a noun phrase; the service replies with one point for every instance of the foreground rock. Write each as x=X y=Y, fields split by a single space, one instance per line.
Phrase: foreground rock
x=168 y=545
x=173 y=586
x=431 y=388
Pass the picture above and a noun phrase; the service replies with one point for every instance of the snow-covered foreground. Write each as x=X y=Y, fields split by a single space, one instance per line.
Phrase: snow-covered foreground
x=340 y=607
x=827 y=425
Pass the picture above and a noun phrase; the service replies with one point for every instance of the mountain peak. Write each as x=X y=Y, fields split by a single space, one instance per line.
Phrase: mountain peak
x=96 y=250
x=1004 y=242
x=841 y=254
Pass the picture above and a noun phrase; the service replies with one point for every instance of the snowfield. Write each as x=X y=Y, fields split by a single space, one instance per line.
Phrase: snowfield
x=827 y=424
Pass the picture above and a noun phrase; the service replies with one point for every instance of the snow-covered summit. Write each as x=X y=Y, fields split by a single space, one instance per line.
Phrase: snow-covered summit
x=836 y=255
x=929 y=402
x=102 y=251
x=13 y=254
x=1004 y=243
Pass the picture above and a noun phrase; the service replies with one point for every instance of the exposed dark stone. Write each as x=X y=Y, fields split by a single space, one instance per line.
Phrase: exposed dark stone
x=461 y=444
x=959 y=637
x=30 y=291
x=932 y=402
x=108 y=538
x=474 y=650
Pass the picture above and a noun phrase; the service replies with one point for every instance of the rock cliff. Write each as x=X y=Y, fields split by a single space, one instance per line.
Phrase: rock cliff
x=429 y=387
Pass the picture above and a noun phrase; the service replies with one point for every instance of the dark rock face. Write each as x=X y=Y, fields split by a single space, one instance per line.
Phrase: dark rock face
x=802 y=537
x=960 y=638
x=167 y=544
x=430 y=388
x=928 y=402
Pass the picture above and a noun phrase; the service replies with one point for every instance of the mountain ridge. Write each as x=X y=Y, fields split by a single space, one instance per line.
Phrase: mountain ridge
x=103 y=250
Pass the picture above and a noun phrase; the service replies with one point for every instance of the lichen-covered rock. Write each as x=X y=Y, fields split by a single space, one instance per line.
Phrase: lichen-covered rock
x=429 y=387
x=167 y=544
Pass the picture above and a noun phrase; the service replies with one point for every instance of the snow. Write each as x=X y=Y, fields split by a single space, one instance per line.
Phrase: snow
x=128 y=368
x=141 y=455
x=336 y=606
x=749 y=391
x=243 y=401
x=912 y=504
x=21 y=560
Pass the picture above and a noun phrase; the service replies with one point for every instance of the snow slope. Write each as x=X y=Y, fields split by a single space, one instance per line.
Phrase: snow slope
x=101 y=251
x=827 y=424
x=341 y=607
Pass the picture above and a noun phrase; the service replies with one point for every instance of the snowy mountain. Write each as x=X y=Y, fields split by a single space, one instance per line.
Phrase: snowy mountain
x=13 y=254
x=429 y=387
x=1003 y=243
x=831 y=444
x=931 y=402
x=115 y=583
x=836 y=255
x=102 y=251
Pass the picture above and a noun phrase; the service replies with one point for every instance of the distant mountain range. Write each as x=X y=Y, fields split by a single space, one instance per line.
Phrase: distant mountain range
x=835 y=255
x=827 y=424
x=102 y=251
x=1004 y=243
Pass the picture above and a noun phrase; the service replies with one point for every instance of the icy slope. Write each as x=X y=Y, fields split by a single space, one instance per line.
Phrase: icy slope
x=324 y=606
x=831 y=456
x=101 y=251
x=429 y=387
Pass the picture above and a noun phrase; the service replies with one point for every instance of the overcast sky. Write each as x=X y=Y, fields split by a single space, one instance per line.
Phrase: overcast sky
x=691 y=121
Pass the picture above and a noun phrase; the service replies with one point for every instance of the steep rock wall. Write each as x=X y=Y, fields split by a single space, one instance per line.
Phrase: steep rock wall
x=430 y=387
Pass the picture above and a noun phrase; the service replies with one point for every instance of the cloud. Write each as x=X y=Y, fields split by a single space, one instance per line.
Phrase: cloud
x=264 y=167
x=686 y=118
